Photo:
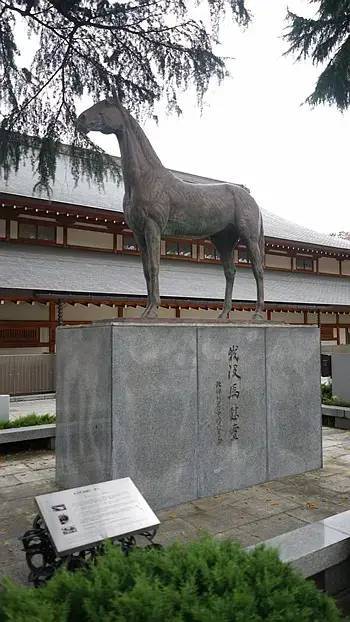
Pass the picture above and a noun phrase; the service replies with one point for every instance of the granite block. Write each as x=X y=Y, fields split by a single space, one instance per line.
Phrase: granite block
x=313 y=548
x=293 y=400
x=186 y=410
x=341 y=375
x=83 y=403
x=238 y=410
x=154 y=415
x=341 y=522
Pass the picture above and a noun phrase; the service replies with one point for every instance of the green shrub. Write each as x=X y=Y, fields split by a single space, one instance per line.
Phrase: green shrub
x=32 y=419
x=204 y=581
x=326 y=391
x=329 y=399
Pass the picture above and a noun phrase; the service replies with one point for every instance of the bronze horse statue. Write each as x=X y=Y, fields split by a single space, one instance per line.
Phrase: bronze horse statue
x=158 y=203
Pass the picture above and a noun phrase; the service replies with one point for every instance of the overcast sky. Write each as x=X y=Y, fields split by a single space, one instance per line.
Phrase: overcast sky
x=254 y=131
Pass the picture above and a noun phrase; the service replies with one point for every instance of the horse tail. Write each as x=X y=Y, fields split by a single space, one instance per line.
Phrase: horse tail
x=261 y=237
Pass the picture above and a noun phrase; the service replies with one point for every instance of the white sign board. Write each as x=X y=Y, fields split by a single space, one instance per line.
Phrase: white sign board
x=84 y=516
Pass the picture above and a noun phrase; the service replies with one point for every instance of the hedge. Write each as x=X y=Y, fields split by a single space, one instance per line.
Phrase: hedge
x=205 y=581
x=23 y=422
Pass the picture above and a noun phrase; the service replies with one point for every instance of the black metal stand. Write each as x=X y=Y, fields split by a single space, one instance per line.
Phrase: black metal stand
x=43 y=561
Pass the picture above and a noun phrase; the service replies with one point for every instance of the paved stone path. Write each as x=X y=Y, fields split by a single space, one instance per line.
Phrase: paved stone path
x=249 y=516
x=21 y=408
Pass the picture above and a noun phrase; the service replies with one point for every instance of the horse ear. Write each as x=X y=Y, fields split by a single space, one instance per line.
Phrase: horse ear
x=116 y=96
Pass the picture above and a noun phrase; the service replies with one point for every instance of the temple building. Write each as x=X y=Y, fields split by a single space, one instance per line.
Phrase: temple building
x=71 y=259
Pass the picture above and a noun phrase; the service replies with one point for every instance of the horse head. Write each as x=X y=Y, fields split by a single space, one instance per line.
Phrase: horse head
x=106 y=116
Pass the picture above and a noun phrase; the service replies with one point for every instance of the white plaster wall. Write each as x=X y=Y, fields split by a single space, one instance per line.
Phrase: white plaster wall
x=95 y=239
x=119 y=242
x=328 y=265
x=342 y=335
x=136 y=312
x=14 y=229
x=88 y=314
x=2 y=228
x=291 y=318
x=203 y=314
x=345 y=266
x=277 y=261
x=243 y=316
x=44 y=334
x=59 y=235
x=328 y=318
x=344 y=318
x=312 y=318
x=24 y=311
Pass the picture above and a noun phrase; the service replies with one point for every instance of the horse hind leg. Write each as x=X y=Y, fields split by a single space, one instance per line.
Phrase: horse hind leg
x=225 y=247
x=258 y=270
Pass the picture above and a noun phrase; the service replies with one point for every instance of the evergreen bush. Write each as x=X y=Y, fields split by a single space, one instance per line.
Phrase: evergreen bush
x=27 y=420
x=205 y=581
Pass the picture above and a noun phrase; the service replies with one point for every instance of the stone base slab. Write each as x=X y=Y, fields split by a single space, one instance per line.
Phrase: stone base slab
x=187 y=410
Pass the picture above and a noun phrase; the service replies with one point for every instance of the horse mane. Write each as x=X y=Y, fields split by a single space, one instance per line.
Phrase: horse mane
x=145 y=145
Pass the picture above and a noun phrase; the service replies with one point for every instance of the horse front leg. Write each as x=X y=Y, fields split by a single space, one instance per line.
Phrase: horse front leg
x=141 y=243
x=152 y=261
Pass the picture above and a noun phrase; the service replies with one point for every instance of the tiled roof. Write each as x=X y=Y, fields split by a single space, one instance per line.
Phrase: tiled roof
x=87 y=272
x=110 y=198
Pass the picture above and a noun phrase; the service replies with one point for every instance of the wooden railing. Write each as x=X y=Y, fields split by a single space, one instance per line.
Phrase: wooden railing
x=23 y=374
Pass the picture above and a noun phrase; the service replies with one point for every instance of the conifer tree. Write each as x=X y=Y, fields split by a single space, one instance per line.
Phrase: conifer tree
x=144 y=49
x=325 y=39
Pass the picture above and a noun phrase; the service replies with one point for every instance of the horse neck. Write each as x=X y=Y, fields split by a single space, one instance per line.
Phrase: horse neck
x=137 y=154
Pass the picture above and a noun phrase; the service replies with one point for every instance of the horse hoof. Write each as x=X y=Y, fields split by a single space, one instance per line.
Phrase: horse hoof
x=258 y=317
x=150 y=313
x=223 y=315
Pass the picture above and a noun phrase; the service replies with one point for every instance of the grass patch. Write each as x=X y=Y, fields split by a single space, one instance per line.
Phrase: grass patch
x=23 y=422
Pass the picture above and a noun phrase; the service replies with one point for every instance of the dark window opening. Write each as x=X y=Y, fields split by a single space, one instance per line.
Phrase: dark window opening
x=171 y=248
x=210 y=251
x=305 y=263
x=129 y=243
x=33 y=231
x=178 y=248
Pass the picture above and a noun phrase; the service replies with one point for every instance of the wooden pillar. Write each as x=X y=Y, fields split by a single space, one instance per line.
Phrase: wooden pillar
x=120 y=311
x=52 y=329
x=177 y=311
x=269 y=313
x=305 y=317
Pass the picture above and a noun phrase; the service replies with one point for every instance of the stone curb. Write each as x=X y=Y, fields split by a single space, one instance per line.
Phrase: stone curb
x=316 y=547
x=28 y=433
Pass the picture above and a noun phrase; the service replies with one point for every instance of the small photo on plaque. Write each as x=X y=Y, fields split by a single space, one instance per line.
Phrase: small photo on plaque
x=84 y=516
x=63 y=518
x=67 y=530
x=58 y=508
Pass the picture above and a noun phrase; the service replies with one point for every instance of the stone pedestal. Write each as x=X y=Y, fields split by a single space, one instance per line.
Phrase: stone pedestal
x=341 y=375
x=187 y=410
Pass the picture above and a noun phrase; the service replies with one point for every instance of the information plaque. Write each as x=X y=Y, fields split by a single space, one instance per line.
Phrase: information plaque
x=80 y=517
